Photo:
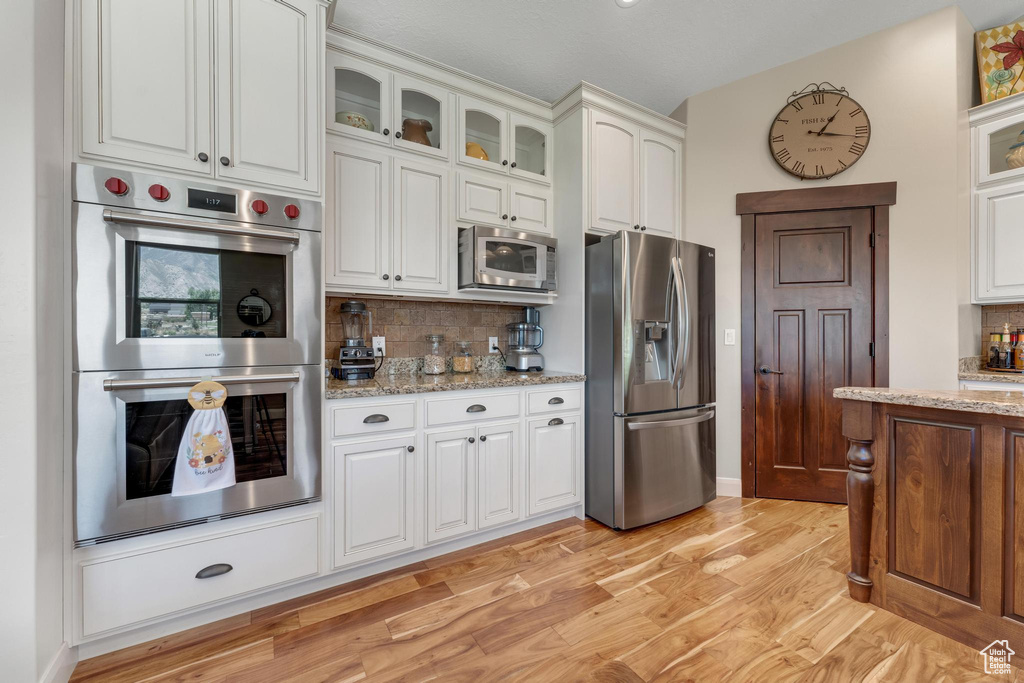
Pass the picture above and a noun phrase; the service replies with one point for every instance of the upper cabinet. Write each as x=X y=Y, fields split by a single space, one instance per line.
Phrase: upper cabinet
x=500 y=141
x=371 y=103
x=148 y=96
x=636 y=177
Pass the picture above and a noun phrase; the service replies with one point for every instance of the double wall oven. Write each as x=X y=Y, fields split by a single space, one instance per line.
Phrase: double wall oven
x=175 y=282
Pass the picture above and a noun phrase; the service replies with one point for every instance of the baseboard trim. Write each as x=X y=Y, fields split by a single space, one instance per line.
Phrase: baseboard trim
x=61 y=666
x=726 y=486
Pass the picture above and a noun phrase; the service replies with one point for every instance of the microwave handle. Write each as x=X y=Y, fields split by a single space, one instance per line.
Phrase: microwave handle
x=171 y=382
x=131 y=217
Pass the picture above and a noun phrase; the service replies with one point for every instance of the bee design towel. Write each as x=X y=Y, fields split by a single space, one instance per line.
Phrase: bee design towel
x=205 y=460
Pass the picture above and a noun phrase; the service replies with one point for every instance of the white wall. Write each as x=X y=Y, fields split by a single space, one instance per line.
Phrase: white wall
x=914 y=81
x=31 y=336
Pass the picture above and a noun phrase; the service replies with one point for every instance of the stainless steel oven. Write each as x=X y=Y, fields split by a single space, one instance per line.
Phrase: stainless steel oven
x=498 y=258
x=174 y=274
x=128 y=426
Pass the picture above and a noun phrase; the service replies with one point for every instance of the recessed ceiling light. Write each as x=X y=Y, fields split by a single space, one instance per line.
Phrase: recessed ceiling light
x=626 y=3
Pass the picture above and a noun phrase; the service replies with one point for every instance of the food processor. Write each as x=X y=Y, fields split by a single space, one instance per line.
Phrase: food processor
x=523 y=341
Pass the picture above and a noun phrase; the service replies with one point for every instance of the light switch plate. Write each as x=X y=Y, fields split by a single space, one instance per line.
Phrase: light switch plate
x=492 y=342
x=379 y=346
x=730 y=337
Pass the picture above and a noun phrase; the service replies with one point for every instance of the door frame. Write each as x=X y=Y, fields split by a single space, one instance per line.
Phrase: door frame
x=877 y=197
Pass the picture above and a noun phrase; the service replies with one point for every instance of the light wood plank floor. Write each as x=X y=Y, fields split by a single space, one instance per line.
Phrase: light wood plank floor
x=740 y=590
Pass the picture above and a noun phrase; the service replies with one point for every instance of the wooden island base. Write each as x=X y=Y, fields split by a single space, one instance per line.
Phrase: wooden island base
x=936 y=510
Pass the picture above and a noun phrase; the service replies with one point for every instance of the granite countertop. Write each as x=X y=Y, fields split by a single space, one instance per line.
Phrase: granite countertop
x=972 y=369
x=1009 y=403
x=418 y=383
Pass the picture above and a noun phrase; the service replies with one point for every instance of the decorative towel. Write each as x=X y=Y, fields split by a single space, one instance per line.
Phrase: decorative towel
x=205 y=460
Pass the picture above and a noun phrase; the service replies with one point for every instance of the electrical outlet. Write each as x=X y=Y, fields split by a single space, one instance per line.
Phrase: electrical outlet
x=379 y=346
x=492 y=343
x=730 y=337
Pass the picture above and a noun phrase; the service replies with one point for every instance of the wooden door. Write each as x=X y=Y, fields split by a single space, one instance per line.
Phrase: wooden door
x=451 y=483
x=661 y=184
x=813 y=333
x=268 y=93
x=420 y=227
x=553 y=462
x=614 y=180
x=498 y=474
x=146 y=75
x=373 y=499
x=357 y=229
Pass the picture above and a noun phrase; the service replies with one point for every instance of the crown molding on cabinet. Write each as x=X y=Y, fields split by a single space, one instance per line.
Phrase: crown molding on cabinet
x=588 y=94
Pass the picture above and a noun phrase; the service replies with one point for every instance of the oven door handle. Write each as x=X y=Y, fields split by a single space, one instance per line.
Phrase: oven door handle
x=171 y=382
x=112 y=216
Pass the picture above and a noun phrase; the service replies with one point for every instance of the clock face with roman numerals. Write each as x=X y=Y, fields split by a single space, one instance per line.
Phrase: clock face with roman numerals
x=819 y=135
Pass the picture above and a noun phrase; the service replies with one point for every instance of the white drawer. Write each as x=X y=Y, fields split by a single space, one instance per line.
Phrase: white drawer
x=475 y=409
x=127 y=590
x=552 y=400
x=372 y=419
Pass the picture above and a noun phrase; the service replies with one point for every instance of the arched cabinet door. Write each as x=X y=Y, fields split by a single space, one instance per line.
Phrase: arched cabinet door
x=531 y=149
x=661 y=184
x=358 y=99
x=614 y=181
x=421 y=118
x=483 y=135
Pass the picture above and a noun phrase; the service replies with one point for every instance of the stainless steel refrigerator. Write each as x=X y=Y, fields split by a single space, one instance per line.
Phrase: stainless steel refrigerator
x=650 y=378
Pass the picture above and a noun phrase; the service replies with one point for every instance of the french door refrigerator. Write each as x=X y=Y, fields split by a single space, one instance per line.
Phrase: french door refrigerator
x=650 y=446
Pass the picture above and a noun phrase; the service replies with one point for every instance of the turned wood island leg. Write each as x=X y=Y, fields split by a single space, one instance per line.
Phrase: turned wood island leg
x=860 y=493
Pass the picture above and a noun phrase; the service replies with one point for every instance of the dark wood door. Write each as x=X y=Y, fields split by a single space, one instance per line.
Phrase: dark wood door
x=813 y=333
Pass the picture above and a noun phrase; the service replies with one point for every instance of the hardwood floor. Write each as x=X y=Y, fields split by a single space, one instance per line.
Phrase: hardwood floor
x=740 y=590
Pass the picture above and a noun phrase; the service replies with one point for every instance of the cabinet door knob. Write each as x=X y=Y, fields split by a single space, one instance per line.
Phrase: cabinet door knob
x=483 y=438
x=504 y=216
x=224 y=161
x=213 y=570
x=636 y=227
x=398 y=278
x=472 y=440
x=204 y=157
x=644 y=227
x=398 y=135
x=555 y=421
x=386 y=131
x=513 y=164
x=504 y=162
x=411 y=449
x=513 y=218
x=384 y=277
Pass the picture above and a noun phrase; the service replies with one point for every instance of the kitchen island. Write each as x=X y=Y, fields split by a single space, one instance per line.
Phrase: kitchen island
x=936 y=508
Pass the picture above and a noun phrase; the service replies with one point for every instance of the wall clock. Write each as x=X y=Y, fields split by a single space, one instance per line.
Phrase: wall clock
x=822 y=131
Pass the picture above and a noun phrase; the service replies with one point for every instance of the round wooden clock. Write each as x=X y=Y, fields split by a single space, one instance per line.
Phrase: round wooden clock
x=819 y=133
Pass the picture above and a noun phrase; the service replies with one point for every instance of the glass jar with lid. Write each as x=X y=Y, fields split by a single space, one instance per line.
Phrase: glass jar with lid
x=434 y=359
x=462 y=359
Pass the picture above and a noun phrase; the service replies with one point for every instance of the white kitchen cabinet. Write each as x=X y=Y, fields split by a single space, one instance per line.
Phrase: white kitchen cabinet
x=222 y=88
x=975 y=385
x=417 y=100
x=532 y=209
x=357 y=239
x=553 y=468
x=614 y=180
x=451 y=483
x=483 y=125
x=482 y=201
x=661 y=184
x=498 y=465
x=146 y=94
x=373 y=499
x=998 y=266
x=358 y=87
x=531 y=149
x=420 y=227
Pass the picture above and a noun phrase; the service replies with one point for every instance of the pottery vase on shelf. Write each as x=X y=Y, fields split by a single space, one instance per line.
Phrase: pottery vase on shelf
x=1015 y=156
x=475 y=151
x=354 y=119
x=415 y=130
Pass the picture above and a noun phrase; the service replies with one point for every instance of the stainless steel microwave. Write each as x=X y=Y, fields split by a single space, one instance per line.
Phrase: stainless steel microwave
x=499 y=258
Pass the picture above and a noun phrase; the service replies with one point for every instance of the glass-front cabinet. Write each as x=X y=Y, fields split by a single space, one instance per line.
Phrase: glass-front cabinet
x=497 y=140
x=421 y=114
x=1000 y=148
x=531 y=148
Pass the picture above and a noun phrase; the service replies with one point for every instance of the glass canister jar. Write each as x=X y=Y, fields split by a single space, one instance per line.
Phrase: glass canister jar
x=462 y=359
x=433 y=360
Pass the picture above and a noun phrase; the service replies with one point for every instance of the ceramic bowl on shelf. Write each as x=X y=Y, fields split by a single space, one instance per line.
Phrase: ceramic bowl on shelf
x=475 y=151
x=354 y=119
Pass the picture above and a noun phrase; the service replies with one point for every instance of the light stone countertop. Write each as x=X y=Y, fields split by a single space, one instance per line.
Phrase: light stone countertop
x=972 y=369
x=395 y=385
x=1009 y=403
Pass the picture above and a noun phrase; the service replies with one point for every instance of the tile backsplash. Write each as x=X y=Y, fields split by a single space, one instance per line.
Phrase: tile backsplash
x=994 y=317
x=406 y=324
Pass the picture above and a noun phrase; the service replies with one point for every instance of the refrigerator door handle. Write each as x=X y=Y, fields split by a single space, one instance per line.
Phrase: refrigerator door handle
x=704 y=417
x=683 y=311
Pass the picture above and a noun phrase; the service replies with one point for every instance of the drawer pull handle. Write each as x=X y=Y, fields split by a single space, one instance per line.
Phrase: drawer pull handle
x=213 y=570
x=555 y=421
x=556 y=401
x=376 y=418
x=476 y=408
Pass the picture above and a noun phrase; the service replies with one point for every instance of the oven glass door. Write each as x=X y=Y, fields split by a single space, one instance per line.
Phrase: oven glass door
x=156 y=291
x=505 y=259
x=129 y=425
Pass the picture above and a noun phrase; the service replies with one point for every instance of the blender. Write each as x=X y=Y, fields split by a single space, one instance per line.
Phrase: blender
x=356 y=360
x=523 y=341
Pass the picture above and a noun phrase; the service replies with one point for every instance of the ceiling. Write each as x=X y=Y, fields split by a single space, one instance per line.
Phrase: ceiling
x=656 y=53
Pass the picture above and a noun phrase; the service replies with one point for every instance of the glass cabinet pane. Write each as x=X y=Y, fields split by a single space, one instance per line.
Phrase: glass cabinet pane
x=483 y=136
x=421 y=118
x=1006 y=148
x=530 y=146
x=357 y=100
